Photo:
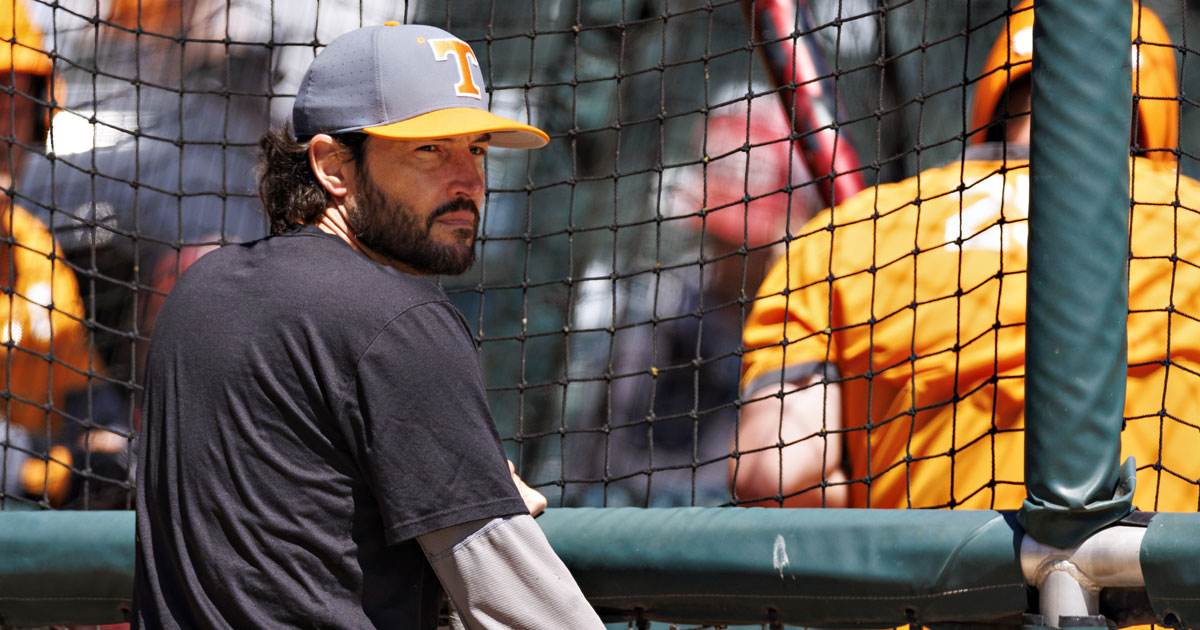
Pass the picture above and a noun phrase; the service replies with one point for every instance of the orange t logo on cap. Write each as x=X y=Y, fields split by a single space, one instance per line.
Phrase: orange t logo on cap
x=443 y=49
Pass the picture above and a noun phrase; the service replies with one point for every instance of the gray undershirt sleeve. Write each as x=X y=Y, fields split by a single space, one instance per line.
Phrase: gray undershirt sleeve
x=501 y=573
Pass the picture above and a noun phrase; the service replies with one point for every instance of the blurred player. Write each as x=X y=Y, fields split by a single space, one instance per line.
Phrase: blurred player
x=902 y=374
x=45 y=363
x=684 y=325
x=751 y=186
x=317 y=445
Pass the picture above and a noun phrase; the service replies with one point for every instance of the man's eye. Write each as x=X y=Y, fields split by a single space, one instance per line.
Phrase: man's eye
x=479 y=150
x=428 y=147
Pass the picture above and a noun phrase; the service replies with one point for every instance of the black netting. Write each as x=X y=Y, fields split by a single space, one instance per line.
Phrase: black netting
x=617 y=266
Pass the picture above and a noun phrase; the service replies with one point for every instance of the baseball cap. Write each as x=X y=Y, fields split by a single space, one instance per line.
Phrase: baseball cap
x=402 y=81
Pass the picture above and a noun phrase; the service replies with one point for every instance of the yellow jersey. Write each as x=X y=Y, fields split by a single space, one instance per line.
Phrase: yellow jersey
x=44 y=352
x=912 y=297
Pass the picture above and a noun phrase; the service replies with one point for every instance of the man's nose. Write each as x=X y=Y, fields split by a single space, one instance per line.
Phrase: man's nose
x=467 y=178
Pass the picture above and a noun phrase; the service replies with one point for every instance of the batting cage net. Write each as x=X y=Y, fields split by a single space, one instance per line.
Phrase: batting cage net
x=774 y=253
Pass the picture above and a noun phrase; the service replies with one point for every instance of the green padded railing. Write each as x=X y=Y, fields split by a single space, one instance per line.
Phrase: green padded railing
x=832 y=568
x=1078 y=297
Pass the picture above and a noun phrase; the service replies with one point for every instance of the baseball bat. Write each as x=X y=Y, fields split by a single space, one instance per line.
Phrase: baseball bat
x=784 y=35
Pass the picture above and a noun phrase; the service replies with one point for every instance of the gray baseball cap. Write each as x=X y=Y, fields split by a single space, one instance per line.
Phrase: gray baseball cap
x=402 y=81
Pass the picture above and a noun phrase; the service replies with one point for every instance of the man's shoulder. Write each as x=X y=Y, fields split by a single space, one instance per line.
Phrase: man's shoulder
x=302 y=276
x=312 y=261
x=930 y=193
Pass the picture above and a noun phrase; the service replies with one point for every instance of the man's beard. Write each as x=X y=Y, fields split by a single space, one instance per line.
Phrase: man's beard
x=392 y=229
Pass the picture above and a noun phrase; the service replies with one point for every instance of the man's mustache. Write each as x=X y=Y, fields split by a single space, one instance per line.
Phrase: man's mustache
x=456 y=205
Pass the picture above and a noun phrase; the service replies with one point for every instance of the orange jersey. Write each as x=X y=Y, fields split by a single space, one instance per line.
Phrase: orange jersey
x=45 y=352
x=914 y=293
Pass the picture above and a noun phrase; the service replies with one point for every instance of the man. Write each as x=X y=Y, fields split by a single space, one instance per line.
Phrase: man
x=316 y=432
x=895 y=378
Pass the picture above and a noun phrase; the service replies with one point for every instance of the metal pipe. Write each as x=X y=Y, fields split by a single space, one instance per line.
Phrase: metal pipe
x=1069 y=580
x=1062 y=594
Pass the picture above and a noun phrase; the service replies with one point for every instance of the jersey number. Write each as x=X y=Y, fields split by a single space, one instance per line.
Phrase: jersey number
x=978 y=223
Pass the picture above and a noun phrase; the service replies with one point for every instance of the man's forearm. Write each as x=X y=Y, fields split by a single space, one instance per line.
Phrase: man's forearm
x=788 y=445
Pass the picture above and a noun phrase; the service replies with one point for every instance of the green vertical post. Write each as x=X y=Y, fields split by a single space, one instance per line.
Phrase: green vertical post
x=1078 y=271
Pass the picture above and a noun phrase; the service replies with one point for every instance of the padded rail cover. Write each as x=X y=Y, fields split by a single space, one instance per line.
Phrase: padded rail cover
x=1171 y=566
x=1078 y=298
x=832 y=568
x=68 y=568
x=866 y=568
x=820 y=567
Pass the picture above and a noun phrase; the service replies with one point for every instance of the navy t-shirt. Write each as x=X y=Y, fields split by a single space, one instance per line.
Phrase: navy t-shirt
x=308 y=413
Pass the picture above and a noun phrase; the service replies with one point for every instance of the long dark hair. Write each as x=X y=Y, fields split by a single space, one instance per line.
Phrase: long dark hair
x=288 y=188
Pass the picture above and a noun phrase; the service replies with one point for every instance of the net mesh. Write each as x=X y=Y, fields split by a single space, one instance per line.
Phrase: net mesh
x=618 y=266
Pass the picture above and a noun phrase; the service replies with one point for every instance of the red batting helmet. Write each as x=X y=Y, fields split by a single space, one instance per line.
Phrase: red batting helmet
x=742 y=193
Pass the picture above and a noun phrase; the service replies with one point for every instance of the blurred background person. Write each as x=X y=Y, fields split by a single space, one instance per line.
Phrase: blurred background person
x=46 y=365
x=154 y=145
x=147 y=164
x=662 y=427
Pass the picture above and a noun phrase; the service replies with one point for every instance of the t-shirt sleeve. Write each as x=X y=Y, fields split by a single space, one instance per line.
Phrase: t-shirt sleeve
x=788 y=333
x=428 y=445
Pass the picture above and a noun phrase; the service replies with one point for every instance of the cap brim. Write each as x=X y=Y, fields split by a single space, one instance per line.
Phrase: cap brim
x=458 y=121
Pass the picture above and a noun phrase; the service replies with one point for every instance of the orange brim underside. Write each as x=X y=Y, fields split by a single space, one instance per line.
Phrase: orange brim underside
x=458 y=121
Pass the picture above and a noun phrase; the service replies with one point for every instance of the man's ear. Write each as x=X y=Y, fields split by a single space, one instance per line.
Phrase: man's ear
x=332 y=164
